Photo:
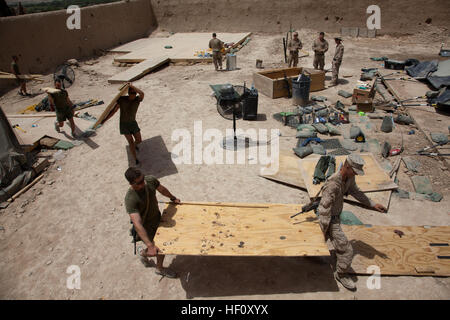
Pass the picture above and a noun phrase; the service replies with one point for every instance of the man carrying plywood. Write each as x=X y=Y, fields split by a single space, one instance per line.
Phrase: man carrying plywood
x=216 y=45
x=127 y=124
x=61 y=104
x=330 y=207
x=142 y=206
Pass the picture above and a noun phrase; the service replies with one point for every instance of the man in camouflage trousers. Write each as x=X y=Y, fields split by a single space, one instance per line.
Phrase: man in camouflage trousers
x=216 y=45
x=293 y=47
x=337 y=60
x=330 y=207
x=320 y=46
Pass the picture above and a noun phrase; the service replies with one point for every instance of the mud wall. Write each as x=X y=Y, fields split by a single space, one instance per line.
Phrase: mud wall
x=397 y=17
x=43 y=40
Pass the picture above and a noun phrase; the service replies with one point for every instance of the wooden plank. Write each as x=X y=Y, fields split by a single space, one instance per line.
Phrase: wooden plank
x=183 y=45
x=410 y=254
x=239 y=230
x=289 y=173
x=39 y=115
x=111 y=105
x=139 y=70
x=375 y=178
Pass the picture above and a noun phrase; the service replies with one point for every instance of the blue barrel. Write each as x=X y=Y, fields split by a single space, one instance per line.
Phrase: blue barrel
x=300 y=91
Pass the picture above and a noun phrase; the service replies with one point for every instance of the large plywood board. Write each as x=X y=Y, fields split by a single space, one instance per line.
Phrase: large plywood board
x=139 y=70
x=375 y=178
x=184 y=46
x=233 y=229
x=111 y=105
x=414 y=253
x=289 y=173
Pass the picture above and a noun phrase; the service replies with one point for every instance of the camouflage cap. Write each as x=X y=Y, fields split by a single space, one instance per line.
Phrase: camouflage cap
x=357 y=163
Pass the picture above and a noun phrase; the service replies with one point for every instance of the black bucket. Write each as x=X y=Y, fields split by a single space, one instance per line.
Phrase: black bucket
x=300 y=90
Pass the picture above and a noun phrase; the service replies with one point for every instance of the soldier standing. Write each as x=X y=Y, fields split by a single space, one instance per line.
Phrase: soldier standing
x=337 y=60
x=216 y=45
x=294 y=45
x=330 y=207
x=320 y=46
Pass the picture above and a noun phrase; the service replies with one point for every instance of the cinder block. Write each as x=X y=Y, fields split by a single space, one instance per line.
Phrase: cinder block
x=372 y=33
x=363 y=32
x=345 y=31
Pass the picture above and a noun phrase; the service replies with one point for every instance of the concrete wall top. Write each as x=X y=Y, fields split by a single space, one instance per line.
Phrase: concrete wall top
x=43 y=41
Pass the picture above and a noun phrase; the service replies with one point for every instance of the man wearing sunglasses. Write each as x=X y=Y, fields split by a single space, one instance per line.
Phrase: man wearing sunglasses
x=330 y=207
x=127 y=124
x=142 y=206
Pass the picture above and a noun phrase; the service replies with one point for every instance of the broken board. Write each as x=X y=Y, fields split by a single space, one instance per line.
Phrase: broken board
x=151 y=52
x=375 y=178
x=139 y=70
x=111 y=105
x=289 y=173
x=415 y=253
x=234 y=229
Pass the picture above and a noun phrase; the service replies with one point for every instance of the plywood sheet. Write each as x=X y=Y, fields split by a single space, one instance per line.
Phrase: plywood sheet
x=410 y=254
x=184 y=45
x=111 y=105
x=375 y=178
x=289 y=173
x=139 y=70
x=233 y=229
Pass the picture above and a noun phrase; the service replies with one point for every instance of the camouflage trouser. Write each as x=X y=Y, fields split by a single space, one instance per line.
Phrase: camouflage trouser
x=344 y=250
x=319 y=61
x=335 y=71
x=217 y=59
x=293 y=58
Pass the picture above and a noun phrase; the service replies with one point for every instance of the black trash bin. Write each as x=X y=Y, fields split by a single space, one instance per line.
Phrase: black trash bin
x=300 y=90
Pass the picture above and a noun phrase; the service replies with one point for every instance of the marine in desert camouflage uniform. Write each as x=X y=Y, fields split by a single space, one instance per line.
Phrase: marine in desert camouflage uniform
x=337 y=60
x=320 y=46
x=216 y=45
x=330 y=207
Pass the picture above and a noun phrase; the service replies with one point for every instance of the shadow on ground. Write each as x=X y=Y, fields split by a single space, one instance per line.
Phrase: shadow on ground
x=154 y=158
x=237 y=276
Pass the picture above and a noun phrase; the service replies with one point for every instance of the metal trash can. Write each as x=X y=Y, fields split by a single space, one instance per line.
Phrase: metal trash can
x=300 y=90
x=231 y=62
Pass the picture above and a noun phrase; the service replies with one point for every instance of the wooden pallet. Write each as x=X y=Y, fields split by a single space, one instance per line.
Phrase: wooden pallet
x=234 y=229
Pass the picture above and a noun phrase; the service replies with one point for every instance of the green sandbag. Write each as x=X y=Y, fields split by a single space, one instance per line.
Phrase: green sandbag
x=322 y=113
x=332 y=130
x=303 y=151
x=387 y=125
x=385 y=149
x=318 y=98
x=355 y=131
x=435 y=197
x=439 y=137
x=306 y=134
x=422 y=184
x=352 y=108
x=349 y=145
x=350 y=219
x=65 y=145
x=344 y=94
x=403 y=119
x=306 y=127
x=321 y=128
x=318 y=149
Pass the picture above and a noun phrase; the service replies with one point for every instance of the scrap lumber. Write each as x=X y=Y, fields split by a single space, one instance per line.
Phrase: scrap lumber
x=111 y=105
x=416 y=252
x=40 y=115
x=374 y=179
x=235 y=229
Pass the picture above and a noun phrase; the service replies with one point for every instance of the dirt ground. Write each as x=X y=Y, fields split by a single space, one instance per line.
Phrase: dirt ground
x=76 y=216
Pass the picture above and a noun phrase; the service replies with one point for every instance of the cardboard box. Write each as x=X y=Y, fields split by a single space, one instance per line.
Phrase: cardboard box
x=364 y=104
x=272 y=82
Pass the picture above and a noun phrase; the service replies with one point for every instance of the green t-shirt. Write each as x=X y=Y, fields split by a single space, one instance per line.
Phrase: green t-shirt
x=60 y=100
x=128 y=108
x=136 y=202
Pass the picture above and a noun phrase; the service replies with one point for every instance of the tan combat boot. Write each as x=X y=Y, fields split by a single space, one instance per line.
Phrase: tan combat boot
x=345 y=280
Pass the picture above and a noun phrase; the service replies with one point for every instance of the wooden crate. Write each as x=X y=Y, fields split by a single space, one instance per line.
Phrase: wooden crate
x=272 y=82
x=364 y=104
